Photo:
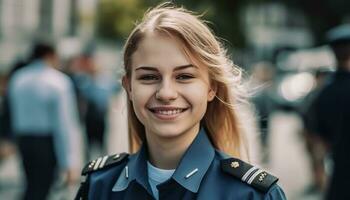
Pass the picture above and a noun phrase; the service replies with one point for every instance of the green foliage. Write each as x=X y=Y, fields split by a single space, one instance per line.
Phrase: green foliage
x=116 y=18
x=223 y=16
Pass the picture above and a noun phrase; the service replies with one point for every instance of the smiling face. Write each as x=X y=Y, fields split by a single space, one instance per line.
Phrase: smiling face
x=169 y=94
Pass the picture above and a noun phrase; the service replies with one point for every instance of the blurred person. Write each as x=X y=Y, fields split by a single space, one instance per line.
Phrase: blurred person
x=183 y=92
x=94 y=90
x=313 y=142
x=262 y=80
x=5 y=114
x=44 y=121
x=332 y=113
x=7 y=147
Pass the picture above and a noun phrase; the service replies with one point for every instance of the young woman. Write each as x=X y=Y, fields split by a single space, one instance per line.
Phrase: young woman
x=182 y=95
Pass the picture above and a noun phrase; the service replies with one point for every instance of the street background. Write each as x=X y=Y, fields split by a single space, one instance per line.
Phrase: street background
x=289 y=161
x=279 y=45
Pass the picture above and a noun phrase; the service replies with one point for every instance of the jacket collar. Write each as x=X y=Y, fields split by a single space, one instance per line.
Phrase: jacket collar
x=189 y=173
x=136 y=169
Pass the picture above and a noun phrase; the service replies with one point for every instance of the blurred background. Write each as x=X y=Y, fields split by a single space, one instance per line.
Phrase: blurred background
x=279 y=44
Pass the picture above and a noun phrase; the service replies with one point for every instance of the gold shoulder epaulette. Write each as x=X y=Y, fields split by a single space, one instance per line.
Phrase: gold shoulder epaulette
x=254 y=176
x=103 y=162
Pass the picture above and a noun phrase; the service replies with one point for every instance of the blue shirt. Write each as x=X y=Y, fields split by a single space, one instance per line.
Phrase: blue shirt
x=157 y=176
x=42 y=102
x=97 y=90
x=198 y=176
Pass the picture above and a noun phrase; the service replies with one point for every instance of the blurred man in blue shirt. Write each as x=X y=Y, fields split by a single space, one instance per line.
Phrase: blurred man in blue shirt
x=45 y=121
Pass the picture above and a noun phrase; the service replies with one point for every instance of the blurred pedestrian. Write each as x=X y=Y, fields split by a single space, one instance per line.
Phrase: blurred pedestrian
x=182 y=89
x=6 y=132
x=94 y=89
x=44 y=120
x=6 y=146
x=332 y=113
x=313 y=142
x=262 y=78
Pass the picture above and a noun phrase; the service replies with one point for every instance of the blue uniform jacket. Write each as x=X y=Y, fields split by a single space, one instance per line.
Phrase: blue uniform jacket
x=201 y=174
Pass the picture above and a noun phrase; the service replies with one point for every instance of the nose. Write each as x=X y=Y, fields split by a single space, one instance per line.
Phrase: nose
x=166 y=91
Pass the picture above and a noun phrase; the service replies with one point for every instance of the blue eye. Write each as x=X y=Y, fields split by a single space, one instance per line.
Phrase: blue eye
x=148 y=77
x=184 y=77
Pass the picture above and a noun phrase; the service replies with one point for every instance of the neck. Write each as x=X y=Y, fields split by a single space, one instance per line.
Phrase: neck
x=166 y=153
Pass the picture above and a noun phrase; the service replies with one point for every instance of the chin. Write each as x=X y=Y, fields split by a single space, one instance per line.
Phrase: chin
x=168 y=132
x=171 y=131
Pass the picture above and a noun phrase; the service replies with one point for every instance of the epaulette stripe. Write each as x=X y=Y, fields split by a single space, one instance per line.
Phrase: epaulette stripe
x=251 y=174
x=254 y=175
x=103 y=161
x=244 y=178
x=97 y=163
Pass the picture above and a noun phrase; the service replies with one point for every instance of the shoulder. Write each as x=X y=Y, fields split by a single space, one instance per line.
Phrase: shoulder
x=247 y=175
x=236 y=179
x=58 y=83
x=18 y=76
x=104 y=163
x=104 y=170
x=100 y=171
x=56 y=77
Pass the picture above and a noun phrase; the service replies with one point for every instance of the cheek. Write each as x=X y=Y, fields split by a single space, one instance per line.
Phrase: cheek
x=138 y=103
x=197 y=95
x=142 y=90
x=140 y=96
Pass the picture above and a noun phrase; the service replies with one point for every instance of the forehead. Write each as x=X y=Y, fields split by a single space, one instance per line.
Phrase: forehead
x=159 y=50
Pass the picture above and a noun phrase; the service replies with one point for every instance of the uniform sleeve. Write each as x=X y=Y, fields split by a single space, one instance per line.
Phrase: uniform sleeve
x=275 y=193
x=67 y=127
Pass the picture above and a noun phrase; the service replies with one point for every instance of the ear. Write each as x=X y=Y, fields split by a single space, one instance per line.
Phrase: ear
x=212 y=92
x=126 y=85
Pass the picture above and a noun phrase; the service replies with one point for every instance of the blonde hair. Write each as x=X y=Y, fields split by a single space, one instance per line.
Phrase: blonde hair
x=203 y=49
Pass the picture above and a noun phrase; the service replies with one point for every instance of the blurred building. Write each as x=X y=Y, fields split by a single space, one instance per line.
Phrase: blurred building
x=272 y=25
x=282 y=34
x=22 y=21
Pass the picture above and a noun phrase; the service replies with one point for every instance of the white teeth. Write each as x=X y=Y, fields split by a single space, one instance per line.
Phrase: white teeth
x=169 y=112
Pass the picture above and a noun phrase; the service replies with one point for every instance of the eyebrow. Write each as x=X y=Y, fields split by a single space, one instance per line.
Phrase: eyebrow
x=177 y=68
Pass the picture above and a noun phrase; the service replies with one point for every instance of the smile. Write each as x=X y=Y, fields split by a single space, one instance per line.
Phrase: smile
x=165 y=111
x=168 y=112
